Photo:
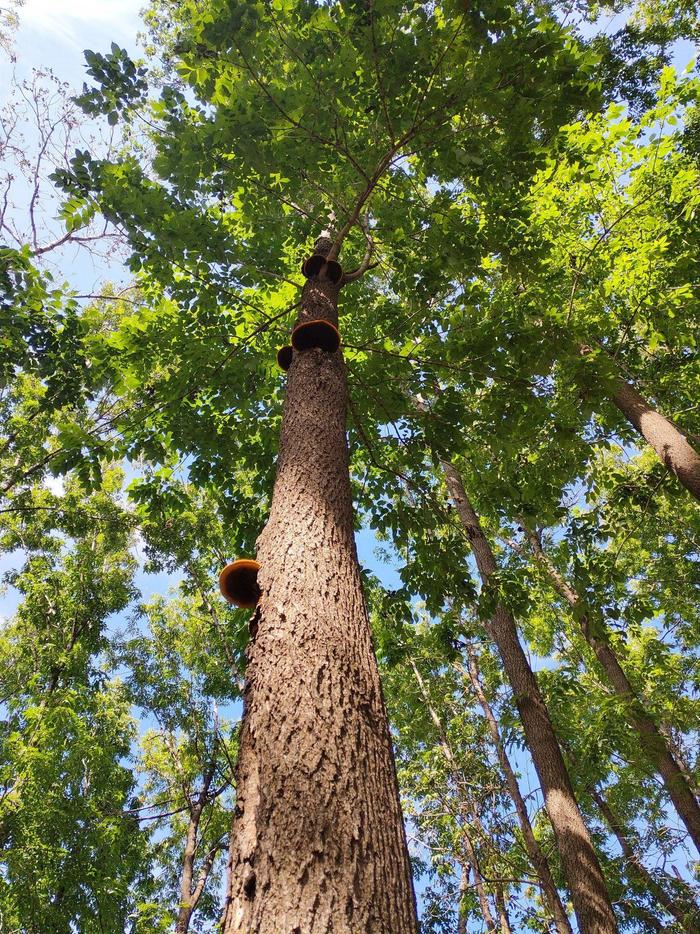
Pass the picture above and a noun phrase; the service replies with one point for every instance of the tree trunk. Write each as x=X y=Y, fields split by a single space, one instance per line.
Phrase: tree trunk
x=191 y=892
x=318 y=842
x=652 y=740
x=186 y=908
x=674 y=450
x=504 y=920
x=465 y=806
x=463 y=889
x=686 y=916
x=478 y=882
x=537 y=857
x=579 y=861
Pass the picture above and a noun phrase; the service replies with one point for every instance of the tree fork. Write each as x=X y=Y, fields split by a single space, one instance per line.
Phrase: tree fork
x=318 y=842
x=584 y=876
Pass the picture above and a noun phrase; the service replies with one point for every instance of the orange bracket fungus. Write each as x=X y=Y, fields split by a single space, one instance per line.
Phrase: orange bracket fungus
x=238 y=583
x=318 y=333
x=284 y=357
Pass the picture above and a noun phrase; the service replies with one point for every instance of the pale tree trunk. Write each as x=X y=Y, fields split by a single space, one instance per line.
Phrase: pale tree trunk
x=680 y=755
x=478 y=882
x=686 y=915
x=463 y=889
x=465 y=807
x=585 y=879
x=191 y=891
x=318 y=842
x=671 y=445
x=503 y=919
x=652 y=740
x=537 y=857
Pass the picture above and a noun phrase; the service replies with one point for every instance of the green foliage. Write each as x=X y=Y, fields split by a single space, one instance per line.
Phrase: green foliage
x=534 y=240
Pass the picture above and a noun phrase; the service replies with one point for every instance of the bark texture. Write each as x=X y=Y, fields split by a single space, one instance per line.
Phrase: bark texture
x=673 y=448
x=589 y=894
x=651 y=738
x=318 y=842
x=687 y=915
x=537 y=857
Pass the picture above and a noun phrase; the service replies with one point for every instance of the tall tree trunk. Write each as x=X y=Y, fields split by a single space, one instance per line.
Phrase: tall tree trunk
x=318 y=841
x=673 y=448
x=652 y=740
x=579 y=861
x=537 y=857
x=687 y=915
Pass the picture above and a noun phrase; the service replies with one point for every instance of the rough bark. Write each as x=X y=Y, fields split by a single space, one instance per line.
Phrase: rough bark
x=318 y=842
x=687 y=915
x=589 y=894
x=671 y=445
x=537 y=857
x=651 y=738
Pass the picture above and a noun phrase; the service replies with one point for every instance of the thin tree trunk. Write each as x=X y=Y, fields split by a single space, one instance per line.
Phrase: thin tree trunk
x=537 y=857
x=671 y=445
x=680 y=755
x=186 y=908
x=579 y=861
x=478 y=883
x=686 y=916
x=318 y=841
x=503 y=918
x=191 y=891
x=466 y=807
x=463 y=888
x=652 y=740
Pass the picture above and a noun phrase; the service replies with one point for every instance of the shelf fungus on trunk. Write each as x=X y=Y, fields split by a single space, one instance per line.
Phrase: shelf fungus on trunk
x=238 y=583
x=316 y=333
x=284 y=357
x=317 y=266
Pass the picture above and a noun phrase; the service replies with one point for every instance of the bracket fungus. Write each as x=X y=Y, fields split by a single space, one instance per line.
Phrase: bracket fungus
x=333 y=271
x=312 y=265
x=320 y=267
x=238 y=583
x=317 y=333
x=284 y=357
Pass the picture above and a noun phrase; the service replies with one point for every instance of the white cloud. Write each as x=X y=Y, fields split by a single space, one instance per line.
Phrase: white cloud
x=79 y=23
